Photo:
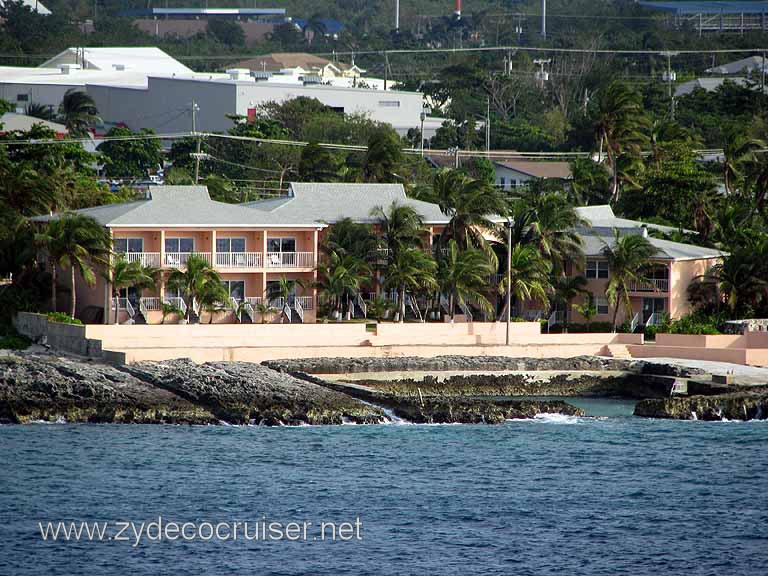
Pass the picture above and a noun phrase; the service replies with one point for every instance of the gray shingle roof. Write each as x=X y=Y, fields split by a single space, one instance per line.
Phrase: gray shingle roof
x=331 y=202
x=177 y=206
x=602 y=216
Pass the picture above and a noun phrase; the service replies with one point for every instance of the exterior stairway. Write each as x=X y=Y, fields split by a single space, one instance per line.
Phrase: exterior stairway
x=619 y=351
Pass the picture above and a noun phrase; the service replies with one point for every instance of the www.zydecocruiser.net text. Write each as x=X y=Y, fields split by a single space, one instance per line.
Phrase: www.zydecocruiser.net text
x=163 y=530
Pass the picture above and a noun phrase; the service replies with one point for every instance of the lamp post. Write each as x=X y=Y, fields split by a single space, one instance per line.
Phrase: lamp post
x=509 y=277
x=423 y=117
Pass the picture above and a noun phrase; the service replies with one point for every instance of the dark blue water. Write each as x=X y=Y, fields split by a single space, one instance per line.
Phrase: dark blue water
x=557 y=496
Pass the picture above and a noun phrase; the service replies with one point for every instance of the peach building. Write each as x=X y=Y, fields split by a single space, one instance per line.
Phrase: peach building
x=256 y=244
x=251 y=245
x=674 y=267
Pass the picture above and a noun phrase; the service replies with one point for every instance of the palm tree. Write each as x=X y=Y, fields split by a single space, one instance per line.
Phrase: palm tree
x=619 y=127
x=470 y=204
x=76 y=242
x=629 y=258
x=37 y=110
x=566 y=289
x=530 y=276
x=123 y=274
x=587 y=309
x=78 y=113
x=283 y=289
x=741 y=276
x=464 y=275
x=411 y=270
x=549 y=222
x=401 y=228
x=739 y=151
x=192 y=282
x=348 y=238
x=340 y=279
x=264 y=308
x=213 y=298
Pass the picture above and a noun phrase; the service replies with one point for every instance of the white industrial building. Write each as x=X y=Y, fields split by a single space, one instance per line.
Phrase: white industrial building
x=147 y=88
x=75 y=67
x=34 y=5
x=164 y=104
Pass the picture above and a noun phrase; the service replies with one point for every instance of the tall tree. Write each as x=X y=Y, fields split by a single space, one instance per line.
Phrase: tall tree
x=530 y=276
x=78 y=243
x=619 y=126
x=78 y=113
x=470 y=204
x=629 y=259
x=191 y=282
x=131 y=159
x=383 y=157
x=123 y=274
x=463 y=275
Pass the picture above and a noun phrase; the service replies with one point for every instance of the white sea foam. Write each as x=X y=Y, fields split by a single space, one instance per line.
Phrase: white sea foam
x=557 y=419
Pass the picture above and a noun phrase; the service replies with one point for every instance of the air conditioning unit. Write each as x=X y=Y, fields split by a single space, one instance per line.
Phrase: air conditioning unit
x=542 y=76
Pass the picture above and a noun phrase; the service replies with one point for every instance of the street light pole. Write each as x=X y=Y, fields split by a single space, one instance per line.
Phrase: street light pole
x=195 y=108
x=509 y=278
x=423 y=117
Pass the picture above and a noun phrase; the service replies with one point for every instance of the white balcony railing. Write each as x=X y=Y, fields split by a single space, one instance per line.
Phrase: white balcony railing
x=306 y=302
x=290 y=260
x=151 y=304
x=239 y=260
x=654 y=285
x=143 y=258
x=179 y=259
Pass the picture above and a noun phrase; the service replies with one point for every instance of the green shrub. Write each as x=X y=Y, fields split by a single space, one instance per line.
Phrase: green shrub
x=697 y=323
x=593 y=327
x=62 y=318
x=12 y=340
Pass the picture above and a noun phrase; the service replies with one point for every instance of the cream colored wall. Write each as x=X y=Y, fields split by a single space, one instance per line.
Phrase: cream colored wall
x=683 y=272
x=151 y=238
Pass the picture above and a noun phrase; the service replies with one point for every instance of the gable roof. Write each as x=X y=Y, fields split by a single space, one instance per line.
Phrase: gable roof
x=331 y=202
x=738 y=66
x=183 y=206
x=603 y=221
x=561 y=170
x=281 y=60
x=11 y=121
x=149 y=60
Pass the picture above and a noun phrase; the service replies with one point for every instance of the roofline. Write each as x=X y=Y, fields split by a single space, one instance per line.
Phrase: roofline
x=318 y=225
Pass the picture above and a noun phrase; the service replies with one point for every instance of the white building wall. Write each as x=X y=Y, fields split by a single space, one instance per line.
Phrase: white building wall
x=45 y=94
x=161 y=106
x=508 y=179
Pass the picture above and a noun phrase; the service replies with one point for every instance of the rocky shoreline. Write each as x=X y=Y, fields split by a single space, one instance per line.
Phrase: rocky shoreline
x=40 y=386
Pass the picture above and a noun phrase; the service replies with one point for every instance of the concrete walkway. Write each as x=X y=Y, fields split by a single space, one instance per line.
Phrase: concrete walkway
x=751 y=375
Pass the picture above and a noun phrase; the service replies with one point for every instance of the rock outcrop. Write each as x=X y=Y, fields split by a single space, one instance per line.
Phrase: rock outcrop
x=735 y=406
x=43 y=387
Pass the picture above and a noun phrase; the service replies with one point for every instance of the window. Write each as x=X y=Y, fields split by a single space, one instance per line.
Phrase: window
x=131 y=293
x=281 y=245
x=22 y=98
x=597 y=269
x=133 y=245
x=235 y=289
x=184 y=245
x=230 y=245
x=601 y=303
x=502 y=181
x=389 y=103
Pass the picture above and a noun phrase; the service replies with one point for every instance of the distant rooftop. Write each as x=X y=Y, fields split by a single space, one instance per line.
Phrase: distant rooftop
x=10 y=122
x=146 y=59
x=722 y=7
x=749 y=64
x=33 y=5
x=557 y=170
x=150 y=12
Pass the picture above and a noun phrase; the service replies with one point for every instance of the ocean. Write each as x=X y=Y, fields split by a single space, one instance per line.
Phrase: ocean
x=603 y=495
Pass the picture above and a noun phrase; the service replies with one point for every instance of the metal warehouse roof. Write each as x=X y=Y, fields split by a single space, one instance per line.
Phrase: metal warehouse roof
x=708 y=7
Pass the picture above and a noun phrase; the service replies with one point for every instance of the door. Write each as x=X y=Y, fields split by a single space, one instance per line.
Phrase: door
x=653 y=306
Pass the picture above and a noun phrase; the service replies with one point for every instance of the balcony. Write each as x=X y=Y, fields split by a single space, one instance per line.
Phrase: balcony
x=240 y=260
x=654 y=285
x=144 y=258
x=179 y=259
x=290 y=260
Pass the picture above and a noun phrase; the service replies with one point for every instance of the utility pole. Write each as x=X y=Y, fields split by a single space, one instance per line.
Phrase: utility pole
x=386 y=69
x=544 y=19
x=762 y=75
x=397 y=16
x=509 y=278
x=423 y=117
x=195 y=135
x=488 y=126
x=670 y=77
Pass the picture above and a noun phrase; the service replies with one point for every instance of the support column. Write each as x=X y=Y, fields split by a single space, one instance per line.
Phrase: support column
x=213 y=248
x=162 y=248
x=108 y=284
x=314 y=273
